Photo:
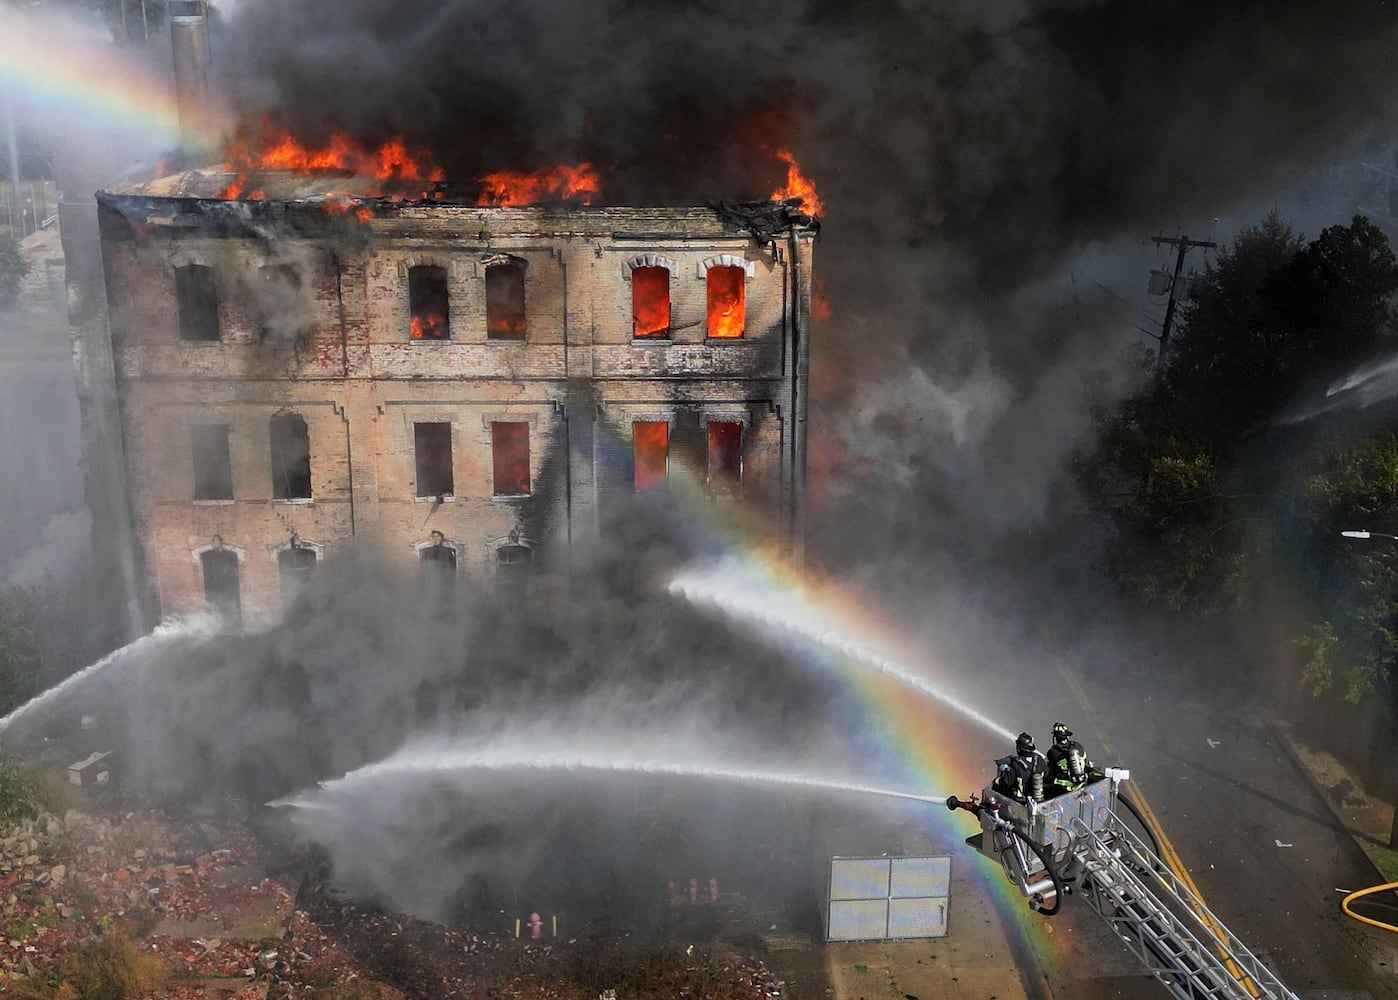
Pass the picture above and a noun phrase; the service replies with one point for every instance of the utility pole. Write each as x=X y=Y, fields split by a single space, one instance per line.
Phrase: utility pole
x=1183 y=244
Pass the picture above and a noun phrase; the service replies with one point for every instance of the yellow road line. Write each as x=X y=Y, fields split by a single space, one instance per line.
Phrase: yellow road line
x=1168 y=853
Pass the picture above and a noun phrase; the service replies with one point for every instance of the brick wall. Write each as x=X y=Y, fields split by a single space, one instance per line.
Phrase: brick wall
x=333 y=347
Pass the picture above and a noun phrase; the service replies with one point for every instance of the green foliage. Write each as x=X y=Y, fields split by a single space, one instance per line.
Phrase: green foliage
x=1274 y=318
x=14 y=268
x=21 y=656
x=1219 y=509
x=20 y=797
x=1352 y=652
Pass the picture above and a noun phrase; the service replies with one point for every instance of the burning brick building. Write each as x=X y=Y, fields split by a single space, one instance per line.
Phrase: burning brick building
x=471 y=386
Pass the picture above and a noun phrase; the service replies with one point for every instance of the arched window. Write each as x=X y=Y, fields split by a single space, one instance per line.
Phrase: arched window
x=427 y=303
x=220 y=568
x=650 y=303
x=295 y=564
x=197 y=299
x=725 y=301
x=514 y=553
x=291 y=458
x=504 y=302
x=438 y=556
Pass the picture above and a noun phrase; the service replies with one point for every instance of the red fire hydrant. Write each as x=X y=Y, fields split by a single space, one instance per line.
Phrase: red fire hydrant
x=535 y=923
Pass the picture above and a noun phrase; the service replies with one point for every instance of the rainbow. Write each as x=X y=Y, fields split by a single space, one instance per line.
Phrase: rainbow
x=62 y=67
x=746 y=578
x=926 y=740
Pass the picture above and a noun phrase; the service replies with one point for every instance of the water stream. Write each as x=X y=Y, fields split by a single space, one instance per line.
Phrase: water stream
x=741 y=594
x=436 y=760
x=164 y=635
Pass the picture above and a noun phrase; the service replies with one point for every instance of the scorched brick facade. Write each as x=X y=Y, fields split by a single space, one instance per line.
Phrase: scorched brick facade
x=291 y=375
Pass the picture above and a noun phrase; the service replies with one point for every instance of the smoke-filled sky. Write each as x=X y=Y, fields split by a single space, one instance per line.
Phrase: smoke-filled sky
x=967 y=154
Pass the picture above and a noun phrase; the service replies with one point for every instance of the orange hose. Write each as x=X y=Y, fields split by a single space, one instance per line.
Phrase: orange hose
x=1344 y=905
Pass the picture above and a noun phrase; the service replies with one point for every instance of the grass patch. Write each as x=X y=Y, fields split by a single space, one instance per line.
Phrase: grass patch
x=110 y=967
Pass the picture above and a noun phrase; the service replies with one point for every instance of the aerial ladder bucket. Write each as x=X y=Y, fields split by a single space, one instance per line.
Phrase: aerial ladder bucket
x=1077 y=843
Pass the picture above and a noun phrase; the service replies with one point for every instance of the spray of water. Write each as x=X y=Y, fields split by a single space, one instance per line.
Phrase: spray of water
x=164 y=635
x=741 y=591
x=1364 y=387
x=437 y=759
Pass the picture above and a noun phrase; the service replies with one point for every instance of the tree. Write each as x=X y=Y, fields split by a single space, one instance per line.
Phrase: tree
x=1212 y=499
x=1351 y=645
x=20 y=650
x=14 y=268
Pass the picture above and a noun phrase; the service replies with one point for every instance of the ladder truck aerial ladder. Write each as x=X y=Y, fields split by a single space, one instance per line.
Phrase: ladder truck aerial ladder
x=1076 y=843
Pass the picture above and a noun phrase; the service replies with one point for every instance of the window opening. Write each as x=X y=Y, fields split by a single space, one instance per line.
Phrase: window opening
x=725 y=453
x=220 y=567
x=504 y=302
x=725 y=295
x=291 y=458
x=427 y=303
x=650 y=445
x=439 y=555
x=279 y=301
x=197 y=300
x=514 y=552
x=213 y=464
x=650 y=303
x=509 y=452
x=432 y=449
x=295 y=563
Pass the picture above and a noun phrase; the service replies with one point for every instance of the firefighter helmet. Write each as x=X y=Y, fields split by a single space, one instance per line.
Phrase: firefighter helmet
x=1061 y=732
x=1024 y=744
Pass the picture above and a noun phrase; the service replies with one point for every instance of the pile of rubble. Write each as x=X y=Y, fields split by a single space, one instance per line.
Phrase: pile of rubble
x=194 y=895
x=225 y=924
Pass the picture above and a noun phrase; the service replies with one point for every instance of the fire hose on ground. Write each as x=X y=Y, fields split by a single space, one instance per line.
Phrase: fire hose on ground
x=1359 y=893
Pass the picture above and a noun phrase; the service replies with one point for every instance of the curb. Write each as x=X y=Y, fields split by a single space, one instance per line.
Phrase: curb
x=1375 y=854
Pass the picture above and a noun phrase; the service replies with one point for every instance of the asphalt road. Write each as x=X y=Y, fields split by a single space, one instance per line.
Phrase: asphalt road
x=1264 y=849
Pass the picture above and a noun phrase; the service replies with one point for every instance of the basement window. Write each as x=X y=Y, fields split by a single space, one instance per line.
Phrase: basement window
x=509 y=452
x=432 y=450
x=291 y=458
x=650 y=449
x=725 y=301
x=725 y=453
x=197 y=299
x=504 y=302
x=213 y=464
x=650 y=303
x=220 y=568
x=427 y=303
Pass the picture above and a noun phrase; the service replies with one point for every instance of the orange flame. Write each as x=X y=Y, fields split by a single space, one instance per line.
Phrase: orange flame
x=798 y=185
x=428 y=326
x=820 y=300
x=277 y=149
x=650 y=302
x=560 y=183
x=725 y=301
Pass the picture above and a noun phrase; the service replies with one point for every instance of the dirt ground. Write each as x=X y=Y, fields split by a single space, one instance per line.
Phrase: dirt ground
x=230 y=917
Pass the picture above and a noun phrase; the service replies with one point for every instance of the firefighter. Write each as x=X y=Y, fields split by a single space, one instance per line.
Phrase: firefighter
x=1022 y=775
x=1068 y=766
